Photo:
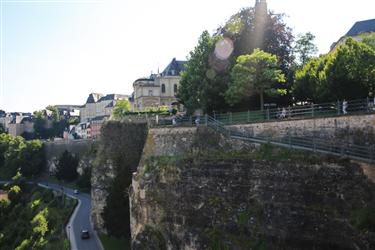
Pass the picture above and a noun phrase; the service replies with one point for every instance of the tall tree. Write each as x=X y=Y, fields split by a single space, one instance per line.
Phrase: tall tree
x=255 y=73
x=350 y=71
x=67 y=167
x=305 y=48
x=346 y=73
x=202 y=85
x=277 y=37
x=310 y=84
x=369 y=39
x=121 y=108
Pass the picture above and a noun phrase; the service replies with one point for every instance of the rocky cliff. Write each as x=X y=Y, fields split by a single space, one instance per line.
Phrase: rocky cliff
x=119 y=151
x=197 y=190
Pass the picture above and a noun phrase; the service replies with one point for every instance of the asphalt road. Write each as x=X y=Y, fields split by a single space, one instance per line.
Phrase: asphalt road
x=79 y=220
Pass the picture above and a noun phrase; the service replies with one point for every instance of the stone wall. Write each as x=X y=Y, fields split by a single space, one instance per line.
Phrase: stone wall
x=357 y=129
x=54 y=150
x=182 y=198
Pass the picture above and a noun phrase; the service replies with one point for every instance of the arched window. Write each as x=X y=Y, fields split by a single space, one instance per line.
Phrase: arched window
x=175 y=88
x=163 y=88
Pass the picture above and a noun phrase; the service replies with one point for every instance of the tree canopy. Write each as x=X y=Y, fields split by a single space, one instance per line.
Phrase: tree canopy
x=206 y=80
x=346 y=73
x=121 y=109
x=18 y=154
x=67 y=167
x=201 y=86
x=305 y=48
x=255 y=73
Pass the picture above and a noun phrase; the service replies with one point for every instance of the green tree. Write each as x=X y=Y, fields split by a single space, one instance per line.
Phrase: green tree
x=369 y=39
x=201 y=85
x=205 y=81
x=67 y=167
x=255 y=73
x=40 y=124
x=305 y=48
x=350 y=72
x=277 y=37
x=121 y=109
x=40 y=228
x=32 y=158
x=84 y=181
x=310 y=82
x=14 y=194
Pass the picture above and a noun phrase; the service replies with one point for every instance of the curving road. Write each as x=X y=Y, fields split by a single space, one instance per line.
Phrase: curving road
x=79 y=220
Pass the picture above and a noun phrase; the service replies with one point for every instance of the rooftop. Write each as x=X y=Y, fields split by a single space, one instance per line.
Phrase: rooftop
x=360 y=27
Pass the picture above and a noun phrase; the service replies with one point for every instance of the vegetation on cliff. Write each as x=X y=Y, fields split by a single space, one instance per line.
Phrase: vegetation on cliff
x=33 y=218
x=18 y=154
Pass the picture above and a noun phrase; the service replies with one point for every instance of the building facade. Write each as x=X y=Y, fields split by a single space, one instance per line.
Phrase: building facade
x=158 y=89
x=98 y=105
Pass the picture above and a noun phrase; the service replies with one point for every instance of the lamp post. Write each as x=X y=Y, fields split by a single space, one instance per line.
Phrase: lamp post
x=69 y=232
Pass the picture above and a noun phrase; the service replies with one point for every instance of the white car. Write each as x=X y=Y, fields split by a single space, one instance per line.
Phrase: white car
x=76 y=191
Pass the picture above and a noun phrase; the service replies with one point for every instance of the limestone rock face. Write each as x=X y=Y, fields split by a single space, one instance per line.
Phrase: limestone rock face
x=52 y=165
x=181 y=198
x=101 y=178
x=249 y=204
x=86 y=162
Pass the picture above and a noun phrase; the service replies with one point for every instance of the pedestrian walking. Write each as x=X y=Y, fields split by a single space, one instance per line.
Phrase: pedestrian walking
x=344 y=107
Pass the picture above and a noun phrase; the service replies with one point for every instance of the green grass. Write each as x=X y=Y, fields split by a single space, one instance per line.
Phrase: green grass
x=112 y=243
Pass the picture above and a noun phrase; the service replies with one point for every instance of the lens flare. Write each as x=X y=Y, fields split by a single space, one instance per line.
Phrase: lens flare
x=224 y=48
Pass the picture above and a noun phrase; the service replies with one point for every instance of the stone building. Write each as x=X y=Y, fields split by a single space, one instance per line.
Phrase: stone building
x=158 y=89
x=98 y=105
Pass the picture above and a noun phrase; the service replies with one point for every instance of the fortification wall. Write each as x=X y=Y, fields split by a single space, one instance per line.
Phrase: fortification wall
x=357 y=129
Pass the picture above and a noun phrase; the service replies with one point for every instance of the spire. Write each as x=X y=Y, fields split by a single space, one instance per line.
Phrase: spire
x=260 y=22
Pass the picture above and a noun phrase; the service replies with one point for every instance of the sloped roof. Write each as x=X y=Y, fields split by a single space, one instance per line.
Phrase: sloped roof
x=94 y=97
x=112 y=97
x=174 y=68
x=362 y=27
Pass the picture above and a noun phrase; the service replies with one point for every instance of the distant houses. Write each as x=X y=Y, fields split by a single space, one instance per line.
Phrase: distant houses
x=157 y=90
x=17 y=123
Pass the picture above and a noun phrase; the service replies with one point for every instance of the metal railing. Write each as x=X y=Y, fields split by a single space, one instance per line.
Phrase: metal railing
x=356 y=152
x=220 y=124
x=298 y=112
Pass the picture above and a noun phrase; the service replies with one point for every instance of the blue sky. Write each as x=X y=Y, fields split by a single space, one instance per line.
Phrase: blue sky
x=57 y=52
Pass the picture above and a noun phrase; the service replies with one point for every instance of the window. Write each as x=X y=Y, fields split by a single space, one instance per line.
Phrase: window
x=163 y=88
x=150 y=92
x=175 y=88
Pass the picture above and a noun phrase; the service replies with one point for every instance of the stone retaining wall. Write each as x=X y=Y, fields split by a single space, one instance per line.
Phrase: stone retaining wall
x=357 y=129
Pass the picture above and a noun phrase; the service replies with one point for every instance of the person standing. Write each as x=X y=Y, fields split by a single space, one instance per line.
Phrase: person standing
x=344 y=107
